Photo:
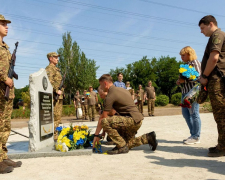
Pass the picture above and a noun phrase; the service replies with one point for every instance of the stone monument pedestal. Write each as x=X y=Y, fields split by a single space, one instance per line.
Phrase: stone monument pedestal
x=41 y=124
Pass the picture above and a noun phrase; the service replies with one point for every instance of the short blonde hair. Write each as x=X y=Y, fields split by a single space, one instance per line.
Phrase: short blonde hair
x=189 y=50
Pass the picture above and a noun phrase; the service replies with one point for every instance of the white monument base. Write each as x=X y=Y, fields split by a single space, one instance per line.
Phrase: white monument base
x=41 y=124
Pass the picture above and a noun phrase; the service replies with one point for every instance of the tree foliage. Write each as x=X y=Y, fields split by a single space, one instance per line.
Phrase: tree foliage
x=18 y=95
x=80 y=71
x=163 y=73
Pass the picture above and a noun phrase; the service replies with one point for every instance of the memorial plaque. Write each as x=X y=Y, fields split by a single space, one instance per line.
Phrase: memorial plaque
x=41 y=124
x=45 y=115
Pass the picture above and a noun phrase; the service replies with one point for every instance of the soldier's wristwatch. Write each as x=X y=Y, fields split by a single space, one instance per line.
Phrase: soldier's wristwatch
x=204 y=76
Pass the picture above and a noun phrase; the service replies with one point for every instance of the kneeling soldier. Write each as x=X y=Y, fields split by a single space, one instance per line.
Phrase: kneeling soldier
x=128 y=121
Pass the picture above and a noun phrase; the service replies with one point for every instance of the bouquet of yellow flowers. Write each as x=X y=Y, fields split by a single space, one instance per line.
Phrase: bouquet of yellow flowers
x=73 y=137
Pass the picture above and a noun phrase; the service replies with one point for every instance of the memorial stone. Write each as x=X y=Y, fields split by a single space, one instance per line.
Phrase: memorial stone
x=41 y=124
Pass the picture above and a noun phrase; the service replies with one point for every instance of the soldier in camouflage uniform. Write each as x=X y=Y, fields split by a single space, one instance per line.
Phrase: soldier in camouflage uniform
x=128 y=120
x=92 y=100
x=213 y=76
x=150 y=97
x=130 y=89
x=84 y=105
x=55 y=77
x=77 y=101
x=140 y=97
x=6 y=106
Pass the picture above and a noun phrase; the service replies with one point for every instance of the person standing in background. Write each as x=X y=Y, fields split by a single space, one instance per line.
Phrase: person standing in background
x=55 y=78
x=119 y=82
x=84 y=105
x=92 y=100
x=140 y=97
x=130 y=89
x=150 y=97
x=77 y=101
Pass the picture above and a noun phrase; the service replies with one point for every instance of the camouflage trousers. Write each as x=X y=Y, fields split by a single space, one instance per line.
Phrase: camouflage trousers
x=91 y=112
x=84 y=111
x=57 y=114
x=122 y=130
x=6 y=108
x=216 y=91
x=151 y=106
x=140 y=106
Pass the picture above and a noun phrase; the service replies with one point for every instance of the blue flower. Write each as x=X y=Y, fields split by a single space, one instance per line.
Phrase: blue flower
x=71 y=137
x=80 y=142
x=59 y=128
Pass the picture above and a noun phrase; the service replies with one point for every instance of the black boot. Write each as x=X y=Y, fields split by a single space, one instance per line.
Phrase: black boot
x=153 y=143
x=211 y=149
x=14 y=164
x=216 y=153
x=4 y=168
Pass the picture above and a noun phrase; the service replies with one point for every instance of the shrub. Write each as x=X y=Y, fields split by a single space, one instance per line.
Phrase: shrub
x=20 y=113
x=68 y=110
x=162 y=100
x=176 y=99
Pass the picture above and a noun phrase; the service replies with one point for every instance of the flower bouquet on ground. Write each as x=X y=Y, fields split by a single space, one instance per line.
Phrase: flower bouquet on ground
x=71 y=138
x=191 y=96
x=188 y=72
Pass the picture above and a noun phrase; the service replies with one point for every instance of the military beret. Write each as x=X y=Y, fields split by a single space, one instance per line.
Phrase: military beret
x=52 y=54
x=2 y=18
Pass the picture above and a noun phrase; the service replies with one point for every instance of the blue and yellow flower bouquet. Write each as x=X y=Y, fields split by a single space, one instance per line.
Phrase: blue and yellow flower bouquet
x=188 y=72
x=73 y=137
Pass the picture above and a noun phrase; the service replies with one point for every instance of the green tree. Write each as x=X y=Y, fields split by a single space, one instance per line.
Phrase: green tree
x=167 y=74
x=80 y=71
x=18 y=94
x=142 y=71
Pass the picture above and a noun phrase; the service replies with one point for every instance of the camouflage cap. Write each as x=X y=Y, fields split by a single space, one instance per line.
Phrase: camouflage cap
x=52 y=54
x=2 y=18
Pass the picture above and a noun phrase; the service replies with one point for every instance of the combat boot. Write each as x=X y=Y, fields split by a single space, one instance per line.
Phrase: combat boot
x=153 y=143
x=116 y=150
x=14 y=164
x=211 y=149
x=216 y=153
x=5 y=168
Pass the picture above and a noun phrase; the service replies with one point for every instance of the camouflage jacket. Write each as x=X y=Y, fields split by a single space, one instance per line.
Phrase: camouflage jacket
x=55 y=78
x=5 y=59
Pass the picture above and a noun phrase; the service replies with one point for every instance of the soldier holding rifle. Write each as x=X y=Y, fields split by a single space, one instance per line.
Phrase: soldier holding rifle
x=6 y=100
x=55 y=77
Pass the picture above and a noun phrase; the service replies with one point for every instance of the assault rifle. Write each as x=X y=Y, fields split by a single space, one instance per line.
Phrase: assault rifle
x=60 y=86
x=11 y=72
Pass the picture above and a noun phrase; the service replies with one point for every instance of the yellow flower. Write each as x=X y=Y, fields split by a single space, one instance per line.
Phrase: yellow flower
x=190 y=66
x=66 y=141
x=181 y=70
x=84 y=127
x=192 y=77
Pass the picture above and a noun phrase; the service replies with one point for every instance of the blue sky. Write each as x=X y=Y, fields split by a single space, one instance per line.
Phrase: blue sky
x=112 y=32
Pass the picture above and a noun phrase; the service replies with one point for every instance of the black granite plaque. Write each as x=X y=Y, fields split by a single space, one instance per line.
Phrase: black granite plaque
x=45 y=115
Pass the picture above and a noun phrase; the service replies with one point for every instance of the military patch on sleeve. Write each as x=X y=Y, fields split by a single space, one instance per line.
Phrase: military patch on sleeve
x=216 y=40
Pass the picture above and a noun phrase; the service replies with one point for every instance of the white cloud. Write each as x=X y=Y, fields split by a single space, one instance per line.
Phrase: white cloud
x=64 y=17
